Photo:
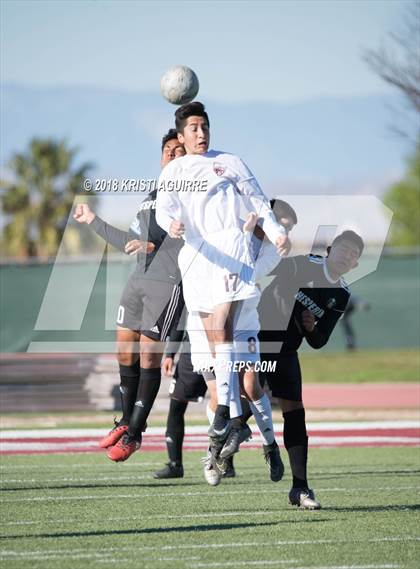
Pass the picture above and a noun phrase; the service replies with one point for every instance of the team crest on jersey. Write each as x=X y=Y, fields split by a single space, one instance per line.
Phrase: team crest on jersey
x=331 y=303
x=218 y=168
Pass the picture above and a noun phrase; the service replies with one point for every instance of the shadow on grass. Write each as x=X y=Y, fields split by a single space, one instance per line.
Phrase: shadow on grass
x=160 y=530
x=394 y=508
x=361 y=473
x=103 y=486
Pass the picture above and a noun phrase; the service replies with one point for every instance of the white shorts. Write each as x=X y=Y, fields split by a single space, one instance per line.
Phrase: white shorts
x=216 y=270
x=201 y=356
x=246 y=328
x=245 y=337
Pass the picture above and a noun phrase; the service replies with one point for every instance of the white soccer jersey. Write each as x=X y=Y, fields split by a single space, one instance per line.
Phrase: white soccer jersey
x=209 y=193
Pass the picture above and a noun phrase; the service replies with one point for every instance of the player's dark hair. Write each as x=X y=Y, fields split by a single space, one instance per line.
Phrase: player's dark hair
x=283 y=209
x=349 y=235
x=194 y=109
x=170 y=135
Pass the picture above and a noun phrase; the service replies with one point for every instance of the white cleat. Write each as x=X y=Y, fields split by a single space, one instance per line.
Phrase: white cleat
x=211 y=473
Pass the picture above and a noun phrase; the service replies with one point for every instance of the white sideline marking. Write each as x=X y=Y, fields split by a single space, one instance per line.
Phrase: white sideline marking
x=280 y=562
x=202 y=429
x=121 y=560
x=108 y=466
x=202 y=493
x=201 y=444
x=242 y=563
x=105 y=466
x=34 y=440
x=154 y=517
x=362 y=439
x=115 y=478
x=280 y=543
x=387 y=566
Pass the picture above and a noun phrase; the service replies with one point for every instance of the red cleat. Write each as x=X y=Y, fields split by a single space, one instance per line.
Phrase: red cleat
x=124 y=448
x=113 y=436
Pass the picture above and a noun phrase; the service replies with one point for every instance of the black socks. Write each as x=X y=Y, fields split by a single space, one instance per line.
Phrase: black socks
x=129 y=382
x=246 y=410
x=146 y=394
x=296 y=442
x=221 y=417
x=175 y=428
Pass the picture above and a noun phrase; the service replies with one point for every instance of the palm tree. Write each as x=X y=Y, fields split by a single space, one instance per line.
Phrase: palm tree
x=40 y=198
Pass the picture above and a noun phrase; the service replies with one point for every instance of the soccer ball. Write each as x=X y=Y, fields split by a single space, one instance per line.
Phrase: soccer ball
x=179 y=85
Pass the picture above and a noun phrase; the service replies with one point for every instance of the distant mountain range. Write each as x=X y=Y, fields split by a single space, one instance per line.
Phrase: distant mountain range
x=333 y=145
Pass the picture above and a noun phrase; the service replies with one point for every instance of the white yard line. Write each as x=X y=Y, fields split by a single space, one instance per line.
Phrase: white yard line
x=244 y=563
x=104 y=465
x=386 y=566
x=280 y=543
x=202 y=493
x=146 y=518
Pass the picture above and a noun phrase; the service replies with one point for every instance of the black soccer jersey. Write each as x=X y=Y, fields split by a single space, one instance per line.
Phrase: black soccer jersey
x=162 y=263
x=300 y=283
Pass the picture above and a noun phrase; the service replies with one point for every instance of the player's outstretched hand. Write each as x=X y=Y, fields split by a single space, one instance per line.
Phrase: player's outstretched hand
x=168 y=367
x=135 y=246
x=176 y=229
x=308 y=320
x=283 y=245
x=83 y=213
x=251 y=222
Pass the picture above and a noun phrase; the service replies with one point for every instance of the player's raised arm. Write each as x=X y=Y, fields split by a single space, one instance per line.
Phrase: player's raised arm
x=112 y=235
x=256 y=201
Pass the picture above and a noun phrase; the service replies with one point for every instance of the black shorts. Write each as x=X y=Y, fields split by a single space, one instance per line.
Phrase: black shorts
x=286 y=381
x=187 y=385
x=149 y=306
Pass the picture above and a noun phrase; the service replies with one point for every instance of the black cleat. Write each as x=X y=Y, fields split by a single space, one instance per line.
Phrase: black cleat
x=232 y=442
x=171 y=470
x=219 y=435
x=304 y=498
x=245 y=434
x=229 y=468
x=274 y=462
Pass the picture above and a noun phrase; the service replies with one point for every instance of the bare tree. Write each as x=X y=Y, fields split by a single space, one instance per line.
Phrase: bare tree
x=397 y=61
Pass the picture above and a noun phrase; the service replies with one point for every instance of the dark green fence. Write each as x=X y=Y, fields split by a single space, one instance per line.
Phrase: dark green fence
x=392 y=291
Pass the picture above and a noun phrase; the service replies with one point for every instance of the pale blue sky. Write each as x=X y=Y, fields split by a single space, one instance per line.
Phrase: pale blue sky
x=241 y=51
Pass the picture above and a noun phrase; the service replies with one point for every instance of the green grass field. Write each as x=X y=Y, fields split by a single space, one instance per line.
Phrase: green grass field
x=363 y=366
x=78 y=511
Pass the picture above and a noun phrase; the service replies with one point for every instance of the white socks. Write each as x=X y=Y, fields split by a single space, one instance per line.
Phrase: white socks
x=223 y=370
x=235 y=407
x=261 y=410
x=210 y=414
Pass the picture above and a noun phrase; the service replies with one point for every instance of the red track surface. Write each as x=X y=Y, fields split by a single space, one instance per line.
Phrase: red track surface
x=66 y=442
x=362 y=396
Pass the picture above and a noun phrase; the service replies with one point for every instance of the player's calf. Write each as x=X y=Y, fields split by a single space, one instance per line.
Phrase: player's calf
x=274 y=461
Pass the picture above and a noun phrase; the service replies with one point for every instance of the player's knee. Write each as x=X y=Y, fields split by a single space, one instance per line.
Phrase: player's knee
x=150 y=359
x=288 y=405
x=126 y=358
x=150 y=354
x=222 y=336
